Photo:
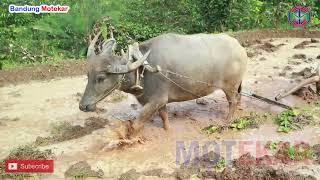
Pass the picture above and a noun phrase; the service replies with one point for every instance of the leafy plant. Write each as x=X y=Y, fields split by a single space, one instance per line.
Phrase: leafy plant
x=300 y=153
x=221 y=164
x=291 y=152
x=273 y=146
x=284 y=120
x=211 y=129
x=242 y=123
x=292 y=119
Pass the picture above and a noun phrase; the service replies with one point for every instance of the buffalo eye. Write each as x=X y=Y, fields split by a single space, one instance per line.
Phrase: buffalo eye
x=100 y=78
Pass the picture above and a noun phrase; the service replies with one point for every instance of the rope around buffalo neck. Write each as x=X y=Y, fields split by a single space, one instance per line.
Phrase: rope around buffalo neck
x=116 y=86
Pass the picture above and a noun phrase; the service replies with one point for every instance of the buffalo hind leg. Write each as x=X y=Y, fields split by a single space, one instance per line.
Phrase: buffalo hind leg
x=232 y=97
x=163 y=113
x=239 y=95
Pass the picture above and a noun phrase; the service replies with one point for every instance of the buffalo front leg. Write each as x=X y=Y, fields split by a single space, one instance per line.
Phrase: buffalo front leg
x=148 y=110
x=163 y=113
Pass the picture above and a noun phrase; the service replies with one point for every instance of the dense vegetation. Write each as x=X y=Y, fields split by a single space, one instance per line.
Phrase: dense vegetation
x=31 y=38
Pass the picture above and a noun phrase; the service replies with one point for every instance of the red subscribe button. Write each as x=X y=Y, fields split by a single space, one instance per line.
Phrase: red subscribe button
x=31 y=166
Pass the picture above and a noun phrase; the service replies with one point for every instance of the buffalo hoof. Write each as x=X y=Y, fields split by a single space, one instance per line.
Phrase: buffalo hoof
x=123 y=142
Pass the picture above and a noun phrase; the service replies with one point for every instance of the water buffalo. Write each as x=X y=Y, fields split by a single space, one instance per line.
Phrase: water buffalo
x=217 y=59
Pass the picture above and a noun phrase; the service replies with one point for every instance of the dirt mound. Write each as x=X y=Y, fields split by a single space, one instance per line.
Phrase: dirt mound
x=82 y=170
x=307 y=94
x=268 y=47
x=303 y=44
x=304 y=73
x=68 y=132
x=288 y=154
x=245 y=167
x=248 y=37
x=299 y=56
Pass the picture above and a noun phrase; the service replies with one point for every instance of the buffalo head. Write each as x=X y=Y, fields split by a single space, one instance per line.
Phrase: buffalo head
x=106 y=71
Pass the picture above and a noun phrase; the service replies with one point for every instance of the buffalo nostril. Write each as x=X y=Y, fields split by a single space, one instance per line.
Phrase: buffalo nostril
x=82 y=107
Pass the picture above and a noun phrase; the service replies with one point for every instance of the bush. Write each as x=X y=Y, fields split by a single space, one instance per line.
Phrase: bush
x=30 y=38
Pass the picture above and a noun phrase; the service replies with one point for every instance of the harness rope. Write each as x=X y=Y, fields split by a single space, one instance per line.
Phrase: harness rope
x=247 y=94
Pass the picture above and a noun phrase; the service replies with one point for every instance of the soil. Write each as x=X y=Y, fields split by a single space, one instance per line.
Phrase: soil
x=36 y=105
x=82 y=170
x=91 y=124
x=245 y=167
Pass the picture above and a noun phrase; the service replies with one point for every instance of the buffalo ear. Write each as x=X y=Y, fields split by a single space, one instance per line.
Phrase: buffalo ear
x=108 y=47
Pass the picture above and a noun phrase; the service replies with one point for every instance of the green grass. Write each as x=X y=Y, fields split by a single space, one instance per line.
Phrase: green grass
x=211 y=129
x=300 y=153
x=242 y=123
x=248 y=121
x=293 y=119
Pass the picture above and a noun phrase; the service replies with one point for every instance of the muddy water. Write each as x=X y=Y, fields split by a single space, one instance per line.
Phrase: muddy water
x=28 y=110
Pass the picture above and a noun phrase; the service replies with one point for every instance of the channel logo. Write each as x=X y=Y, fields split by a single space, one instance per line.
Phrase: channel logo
x=12 y=166
x=29 y=166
